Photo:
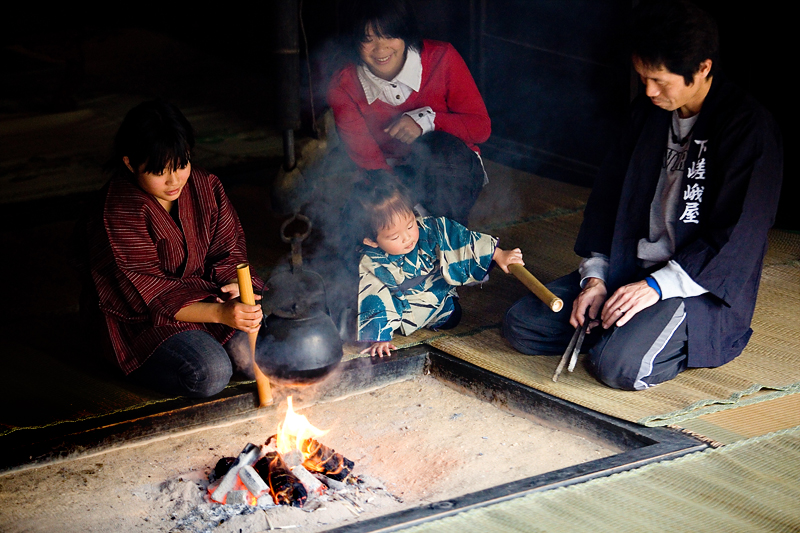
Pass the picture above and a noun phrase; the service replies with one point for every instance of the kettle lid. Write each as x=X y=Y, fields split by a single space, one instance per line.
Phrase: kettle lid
x=295 y=293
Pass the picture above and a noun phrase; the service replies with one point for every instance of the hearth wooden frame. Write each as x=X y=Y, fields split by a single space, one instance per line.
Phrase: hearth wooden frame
x=638 y=445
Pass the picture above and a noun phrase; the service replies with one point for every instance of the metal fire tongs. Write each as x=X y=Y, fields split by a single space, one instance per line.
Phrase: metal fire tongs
x=574 y=347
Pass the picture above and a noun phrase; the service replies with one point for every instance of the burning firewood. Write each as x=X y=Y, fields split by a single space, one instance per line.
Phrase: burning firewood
x=285 y=487
x=249 y=455
x=320 y=458
x=221 y=468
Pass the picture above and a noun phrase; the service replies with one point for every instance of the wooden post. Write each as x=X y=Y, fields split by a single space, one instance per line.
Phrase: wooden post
x=551 y=300
x=247 y=297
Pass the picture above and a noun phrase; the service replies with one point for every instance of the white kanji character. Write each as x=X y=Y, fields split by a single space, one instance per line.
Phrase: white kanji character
x=698 y=170
x=694 y=192
x=691 y=213
x=702 y=146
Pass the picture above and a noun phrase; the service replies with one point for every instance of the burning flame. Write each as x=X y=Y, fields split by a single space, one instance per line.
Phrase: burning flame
x=294 y=430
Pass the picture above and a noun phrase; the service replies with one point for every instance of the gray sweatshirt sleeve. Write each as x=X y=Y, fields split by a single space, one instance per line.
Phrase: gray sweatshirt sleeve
x=675 y=282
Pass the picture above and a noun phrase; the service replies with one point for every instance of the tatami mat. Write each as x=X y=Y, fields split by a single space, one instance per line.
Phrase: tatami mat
x=748 y=487
x=747 y=421
x=769 y=362
x=57 y=392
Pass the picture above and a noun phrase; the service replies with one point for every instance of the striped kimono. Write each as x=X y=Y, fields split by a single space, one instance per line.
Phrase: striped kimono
x=146 y=266
x=411 y=291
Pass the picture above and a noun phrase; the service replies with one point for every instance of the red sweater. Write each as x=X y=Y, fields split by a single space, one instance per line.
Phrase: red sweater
x=447 y=87
x=146 y=268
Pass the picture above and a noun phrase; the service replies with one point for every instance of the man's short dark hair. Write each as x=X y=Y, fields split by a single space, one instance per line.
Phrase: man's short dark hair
x=675 y=34
x=390 y=19
x=154 y=134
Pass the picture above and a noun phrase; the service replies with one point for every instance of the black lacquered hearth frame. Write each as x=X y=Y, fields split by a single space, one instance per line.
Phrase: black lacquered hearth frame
x=638 y=445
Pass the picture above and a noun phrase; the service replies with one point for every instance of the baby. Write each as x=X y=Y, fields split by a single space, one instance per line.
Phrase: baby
x=411 y=265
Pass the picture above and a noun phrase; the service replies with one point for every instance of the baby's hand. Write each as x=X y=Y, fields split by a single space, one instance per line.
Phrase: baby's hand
x=380 y=349
x=503 y=258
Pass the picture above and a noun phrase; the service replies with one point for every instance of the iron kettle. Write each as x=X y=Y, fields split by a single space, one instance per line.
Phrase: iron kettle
x=303 y=344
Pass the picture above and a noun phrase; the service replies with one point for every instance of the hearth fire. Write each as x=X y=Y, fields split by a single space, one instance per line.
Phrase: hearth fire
x=291 y=468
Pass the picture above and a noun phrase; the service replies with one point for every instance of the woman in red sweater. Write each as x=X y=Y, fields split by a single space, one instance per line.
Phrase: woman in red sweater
x=411 y=105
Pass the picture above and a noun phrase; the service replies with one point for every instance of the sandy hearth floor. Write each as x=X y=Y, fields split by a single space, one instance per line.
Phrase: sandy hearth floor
x=413 y=443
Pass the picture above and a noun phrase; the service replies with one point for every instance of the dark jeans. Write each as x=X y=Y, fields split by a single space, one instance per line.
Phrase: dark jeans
x=192 y=363
x=443 y=174
x=650 y=349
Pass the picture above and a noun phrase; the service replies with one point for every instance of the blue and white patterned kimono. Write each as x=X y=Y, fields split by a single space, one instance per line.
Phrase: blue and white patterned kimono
x=410 y=291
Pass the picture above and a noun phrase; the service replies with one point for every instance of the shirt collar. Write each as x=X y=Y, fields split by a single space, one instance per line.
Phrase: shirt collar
x=410 y=75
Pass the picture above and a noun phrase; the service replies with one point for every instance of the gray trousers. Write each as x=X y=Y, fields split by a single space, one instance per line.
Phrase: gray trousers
x=650 y=349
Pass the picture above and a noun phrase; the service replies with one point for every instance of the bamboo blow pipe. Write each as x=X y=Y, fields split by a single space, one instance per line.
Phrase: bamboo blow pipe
x=247 y=297
x=550 y=300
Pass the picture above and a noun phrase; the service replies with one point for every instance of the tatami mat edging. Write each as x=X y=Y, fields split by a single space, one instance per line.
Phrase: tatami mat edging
x=703 y=407
x=752 y=485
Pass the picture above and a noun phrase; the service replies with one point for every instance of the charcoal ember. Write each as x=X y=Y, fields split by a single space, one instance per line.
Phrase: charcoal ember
x=221 y=468
x=239 y=497
x=285 y=487
x=254 y=483
x=324 y=460
x=314 y=487
x=329 y=482
x=248 y=456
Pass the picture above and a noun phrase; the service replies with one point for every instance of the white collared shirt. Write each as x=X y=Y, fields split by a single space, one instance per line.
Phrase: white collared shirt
x=395 y=92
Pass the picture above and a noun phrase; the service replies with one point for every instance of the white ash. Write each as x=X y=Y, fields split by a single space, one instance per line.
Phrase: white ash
x=192 y=512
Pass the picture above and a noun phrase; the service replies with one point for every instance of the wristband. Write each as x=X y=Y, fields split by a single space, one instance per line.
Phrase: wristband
x=654 y=285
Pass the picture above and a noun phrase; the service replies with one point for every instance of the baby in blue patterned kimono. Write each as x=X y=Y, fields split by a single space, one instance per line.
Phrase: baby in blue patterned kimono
x=411 y=266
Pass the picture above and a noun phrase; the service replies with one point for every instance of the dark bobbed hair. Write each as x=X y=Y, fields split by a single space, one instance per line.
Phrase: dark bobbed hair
x=389 y=19
x=155 y=134
x=675 y=34
x=382 y=199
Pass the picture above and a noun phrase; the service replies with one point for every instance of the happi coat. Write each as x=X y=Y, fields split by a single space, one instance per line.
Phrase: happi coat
x=146 y=267
x=730 y=191
x=447 y=87
x=410 y=291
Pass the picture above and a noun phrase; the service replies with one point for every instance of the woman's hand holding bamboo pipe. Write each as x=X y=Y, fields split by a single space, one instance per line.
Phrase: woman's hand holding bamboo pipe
x=536 y=287
x=247 y=297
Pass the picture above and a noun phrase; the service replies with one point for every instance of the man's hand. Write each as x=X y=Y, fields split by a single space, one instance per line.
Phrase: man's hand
x=503 y=258
x=592 y=296
x=404 y=129
x=626 y=302
x=380 y=349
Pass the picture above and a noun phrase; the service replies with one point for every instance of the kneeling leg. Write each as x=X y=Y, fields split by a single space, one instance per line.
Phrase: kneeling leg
x=650 y=349
x=190 y=363
x=534 y=329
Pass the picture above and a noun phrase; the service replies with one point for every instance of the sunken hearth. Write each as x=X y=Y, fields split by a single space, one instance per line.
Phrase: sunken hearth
x=497 y=428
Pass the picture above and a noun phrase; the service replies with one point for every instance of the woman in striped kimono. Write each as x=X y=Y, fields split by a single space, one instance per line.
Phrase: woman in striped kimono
x=163 y=256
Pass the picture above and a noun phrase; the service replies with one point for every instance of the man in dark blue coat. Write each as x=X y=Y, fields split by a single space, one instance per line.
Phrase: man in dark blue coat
x=675 y=230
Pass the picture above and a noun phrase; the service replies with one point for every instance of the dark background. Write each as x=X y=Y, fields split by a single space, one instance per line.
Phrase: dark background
x=554 y=74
